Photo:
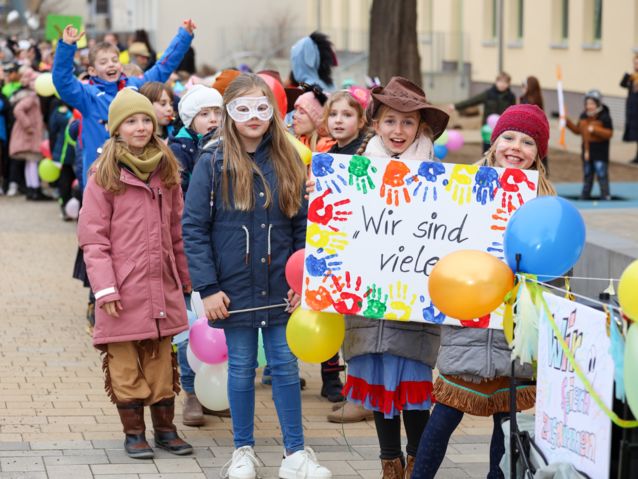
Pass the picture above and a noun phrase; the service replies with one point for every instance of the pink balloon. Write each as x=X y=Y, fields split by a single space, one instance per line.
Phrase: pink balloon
x=454 y=140
x=492 y=120
x=294 y=270
x=208 y=344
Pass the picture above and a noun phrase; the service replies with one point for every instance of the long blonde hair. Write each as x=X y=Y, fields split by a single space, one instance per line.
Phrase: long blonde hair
x=545 y=187
x=107 y=170
x=238 y=169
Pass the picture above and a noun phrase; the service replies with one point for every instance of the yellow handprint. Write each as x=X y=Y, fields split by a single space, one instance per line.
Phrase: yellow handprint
x=399 y=302
x=460 y=183
x=330 y=241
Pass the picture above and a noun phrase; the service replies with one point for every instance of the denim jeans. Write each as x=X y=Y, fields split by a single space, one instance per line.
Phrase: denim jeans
x=443 y=421
x=186 y=374
x=242 y=362
x=600 y=170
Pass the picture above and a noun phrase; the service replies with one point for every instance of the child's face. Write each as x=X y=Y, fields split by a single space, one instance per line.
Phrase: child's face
x=13 y=76
x=107 y=65
x=343 y=122
x=515 y=150
x=590 y=106
x=301 y=122
x=136 y=131
x=163 y=109
x=206 y=120
x=501 y=84
x=252 y=131
x=397 y=130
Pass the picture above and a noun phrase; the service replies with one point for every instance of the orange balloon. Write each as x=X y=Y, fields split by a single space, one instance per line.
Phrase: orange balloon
x=468 y=284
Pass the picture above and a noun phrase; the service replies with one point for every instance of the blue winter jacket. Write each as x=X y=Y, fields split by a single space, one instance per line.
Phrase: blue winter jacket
x=184 y=146
x=242 y=253
x=93 y=100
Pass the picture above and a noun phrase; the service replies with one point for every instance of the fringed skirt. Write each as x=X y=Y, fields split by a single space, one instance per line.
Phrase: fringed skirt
x=388 y=383
x=485 y=398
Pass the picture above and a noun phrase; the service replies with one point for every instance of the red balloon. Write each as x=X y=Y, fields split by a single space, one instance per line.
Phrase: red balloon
x=45 y=149
x=277 y=90
x=294 y=270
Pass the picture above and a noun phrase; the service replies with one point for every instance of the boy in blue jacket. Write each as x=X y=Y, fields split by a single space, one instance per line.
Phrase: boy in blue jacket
x=93 y=99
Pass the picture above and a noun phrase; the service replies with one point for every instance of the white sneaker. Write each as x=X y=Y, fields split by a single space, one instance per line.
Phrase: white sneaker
x=241 y=465
x=13 y=189
x=303 y=465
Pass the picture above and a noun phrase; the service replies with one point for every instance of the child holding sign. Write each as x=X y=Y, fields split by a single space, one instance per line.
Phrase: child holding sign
x=474 y=362
x=244 y=216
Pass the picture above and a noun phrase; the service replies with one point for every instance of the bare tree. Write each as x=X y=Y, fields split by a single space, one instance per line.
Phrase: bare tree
x=393 y=40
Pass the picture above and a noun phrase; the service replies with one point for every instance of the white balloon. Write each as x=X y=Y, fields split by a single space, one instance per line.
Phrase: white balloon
x=72 y=208
x=197 y=304
x=211 y=386
x=193 y=362
x=33 y=22
x=12 y=16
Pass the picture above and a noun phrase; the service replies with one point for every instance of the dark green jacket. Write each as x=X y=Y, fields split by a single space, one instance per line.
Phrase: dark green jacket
x=493 y=101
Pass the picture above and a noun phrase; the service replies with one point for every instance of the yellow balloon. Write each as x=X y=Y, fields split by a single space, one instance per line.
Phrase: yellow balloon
x=629 y=374
x=304 y=152
x=628 y=291
x=314 y=336
x=468 y=284
x=44 y=85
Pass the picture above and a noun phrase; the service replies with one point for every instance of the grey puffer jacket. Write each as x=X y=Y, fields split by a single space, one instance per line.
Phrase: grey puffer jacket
x=476 y=354
x=418 y=341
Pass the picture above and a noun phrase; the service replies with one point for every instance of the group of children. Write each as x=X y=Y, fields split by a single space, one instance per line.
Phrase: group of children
x=219 y=208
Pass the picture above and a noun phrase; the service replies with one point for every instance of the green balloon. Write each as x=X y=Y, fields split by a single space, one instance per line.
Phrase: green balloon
x=631 y=361
x=486 y=133
x=261 y=354
x=442 y=140
x=48 y=170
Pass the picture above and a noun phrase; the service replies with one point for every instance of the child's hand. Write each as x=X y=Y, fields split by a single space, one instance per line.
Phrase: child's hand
x=216 y=306
x=70 y=35
x=310 y=188
x=189 y=26
x=112 y=307
x=293 y=301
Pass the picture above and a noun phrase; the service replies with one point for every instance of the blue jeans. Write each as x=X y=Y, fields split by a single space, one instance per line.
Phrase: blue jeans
x=443 y=421
x=186 y=374
x=599 y=169
x=286 y=393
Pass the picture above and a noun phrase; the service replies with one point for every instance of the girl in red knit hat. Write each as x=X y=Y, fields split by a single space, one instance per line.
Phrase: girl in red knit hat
x=474 y=362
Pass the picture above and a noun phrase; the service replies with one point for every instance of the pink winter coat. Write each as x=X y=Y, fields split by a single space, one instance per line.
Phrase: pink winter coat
x=26 y=134
x=133 y=249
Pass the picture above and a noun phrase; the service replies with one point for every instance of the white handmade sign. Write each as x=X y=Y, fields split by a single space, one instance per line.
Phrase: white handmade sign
x=377 y=227
x=569 y=426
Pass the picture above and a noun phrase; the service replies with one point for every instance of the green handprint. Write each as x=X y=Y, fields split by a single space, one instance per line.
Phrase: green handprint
x=359 y=168
x=376 y=303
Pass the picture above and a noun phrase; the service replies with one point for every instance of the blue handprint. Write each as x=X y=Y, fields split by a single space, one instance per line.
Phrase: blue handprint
x=431 y=172
x=485 y=184
x=322 y=167
x=496 y=249
x=430 y=314
x=317 y=266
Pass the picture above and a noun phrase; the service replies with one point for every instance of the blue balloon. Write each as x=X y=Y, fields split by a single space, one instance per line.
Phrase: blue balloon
x=440 y=151
x=549 y=234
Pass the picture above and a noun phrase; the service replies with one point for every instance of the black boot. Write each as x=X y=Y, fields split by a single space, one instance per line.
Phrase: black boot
x=331 y=382
x=132 y=417
x=35 y=194
x=162 y=414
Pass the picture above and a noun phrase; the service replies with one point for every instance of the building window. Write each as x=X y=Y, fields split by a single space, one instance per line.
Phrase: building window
x=514 y=11
x=519 y=19
x=494 y=18
x=560 y=24
x=593 y=26
x=564 y=20
x=598 y=20
x=490 y=22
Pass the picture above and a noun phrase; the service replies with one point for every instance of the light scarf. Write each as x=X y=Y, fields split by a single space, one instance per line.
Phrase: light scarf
x=420 y=149
x=143 y=165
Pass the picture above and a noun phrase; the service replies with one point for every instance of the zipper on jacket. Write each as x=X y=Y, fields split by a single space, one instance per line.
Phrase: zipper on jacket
x=159 y=195
x=159 y=335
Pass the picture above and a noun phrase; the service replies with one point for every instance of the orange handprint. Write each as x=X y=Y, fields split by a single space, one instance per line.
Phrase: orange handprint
x=318 y=299
x=394 y=179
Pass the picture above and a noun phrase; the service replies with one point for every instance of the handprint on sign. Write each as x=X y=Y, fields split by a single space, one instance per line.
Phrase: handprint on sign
x=485 y=184
x=482 y=322
x=500 y=217
x=376 y=304
x=510 y=181
x=322 y=265
x=429 y=172
x=400 y=303
x=321 y=168
x=325 y=214
x=430 y=314
x=393 y=181
x=318 y=299
x=460 y=183
x=330 y=241
x=348 y=301
x=359 y=173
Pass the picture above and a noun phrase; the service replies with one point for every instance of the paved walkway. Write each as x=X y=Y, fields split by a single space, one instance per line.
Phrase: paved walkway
x=55 y=419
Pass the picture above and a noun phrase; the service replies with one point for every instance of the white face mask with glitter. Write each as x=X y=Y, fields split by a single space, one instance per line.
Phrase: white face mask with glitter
x=244 y=108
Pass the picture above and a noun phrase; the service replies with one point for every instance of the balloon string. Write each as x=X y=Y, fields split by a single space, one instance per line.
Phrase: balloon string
x=624 y=423
x=540 y=275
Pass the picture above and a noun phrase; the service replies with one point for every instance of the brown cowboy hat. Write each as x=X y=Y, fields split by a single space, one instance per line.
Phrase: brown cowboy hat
x=402 y=95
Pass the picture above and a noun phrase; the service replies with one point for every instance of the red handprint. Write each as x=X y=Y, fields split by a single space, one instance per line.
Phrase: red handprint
x=318 y=299
x=394 y=179
x=348 y=302
x=323 y=214
x=509 y=187
x=482 y=322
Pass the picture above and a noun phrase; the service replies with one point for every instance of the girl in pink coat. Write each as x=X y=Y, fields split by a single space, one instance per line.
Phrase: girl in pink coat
x=130 y=232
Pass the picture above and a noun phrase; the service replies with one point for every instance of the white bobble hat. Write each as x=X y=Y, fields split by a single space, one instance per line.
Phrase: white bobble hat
x=195 y=99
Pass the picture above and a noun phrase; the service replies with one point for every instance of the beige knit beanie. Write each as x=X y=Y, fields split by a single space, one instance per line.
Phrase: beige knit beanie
x=126 y=103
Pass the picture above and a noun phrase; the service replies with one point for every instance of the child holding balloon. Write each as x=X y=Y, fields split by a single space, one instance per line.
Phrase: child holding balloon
x=474 y=363
x=244 y=216
x=129 y=230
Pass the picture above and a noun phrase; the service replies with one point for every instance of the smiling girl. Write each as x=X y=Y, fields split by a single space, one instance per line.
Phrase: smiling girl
x=345 y=120
x=161 y=97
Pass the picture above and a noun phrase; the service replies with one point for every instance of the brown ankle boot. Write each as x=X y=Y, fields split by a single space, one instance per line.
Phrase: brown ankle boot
x=409 y=466
x=162 y=414
x=192 y=414
x=392 y=468
x=132 y=417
